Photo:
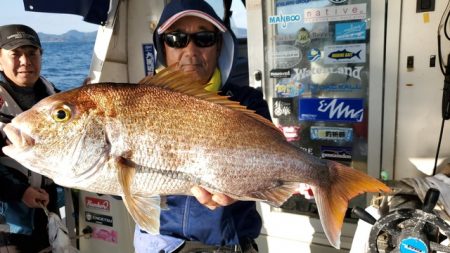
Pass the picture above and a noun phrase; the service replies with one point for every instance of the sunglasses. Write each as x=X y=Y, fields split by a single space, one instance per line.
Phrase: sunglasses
x=181 y=39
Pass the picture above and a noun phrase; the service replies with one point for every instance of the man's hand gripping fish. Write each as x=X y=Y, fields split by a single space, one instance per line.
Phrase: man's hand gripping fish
x=166 y=135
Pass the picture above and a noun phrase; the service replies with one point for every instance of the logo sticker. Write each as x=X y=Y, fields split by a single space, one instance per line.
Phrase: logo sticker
x=339 y=87
x=96 y=203
x=288 y=88
x=303 y=38
x=287 y=56
x=351 y=53
x=350 y=31
x=99 y=219
x=280 y=73
x=331 y=133
x=291 y=2
x=283 y=107
x=149 y=59
x=336 y=153
x=105 y=234
x=335 y=13
x=291 y=132
x=284 y=20
x=314 y=55
x=331 y=109
x=338 y=1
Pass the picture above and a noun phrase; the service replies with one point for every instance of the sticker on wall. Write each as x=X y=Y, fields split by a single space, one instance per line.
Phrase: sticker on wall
x=303 y=38
x=104 y=234
x=353 y=72
x=335 y=13
x=284 y=19
x=331 y=109
x=97 y=203
x=338 y=87
x=336 y=153
x=287 y=56
x=99 y=219
x=350 y=31
x=149 y=59
x=283 y=107
x=292 y=133
x=314 y=54
x=280 y=73
x=290 y=2
x=338 y=1
x=337 y=134
x=288 y=88
x=348 y=53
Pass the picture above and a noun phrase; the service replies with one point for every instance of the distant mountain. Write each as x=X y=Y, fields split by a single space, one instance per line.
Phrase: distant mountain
x=70 y=36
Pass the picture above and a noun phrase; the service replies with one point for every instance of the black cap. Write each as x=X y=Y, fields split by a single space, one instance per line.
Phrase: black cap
x=14 y=36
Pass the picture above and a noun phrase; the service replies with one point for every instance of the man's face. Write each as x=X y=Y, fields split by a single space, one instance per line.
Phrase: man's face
x=21 y=65
x=200 y=62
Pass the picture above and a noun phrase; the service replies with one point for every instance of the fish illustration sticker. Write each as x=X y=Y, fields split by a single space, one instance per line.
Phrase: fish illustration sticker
x=351 y=53
x=331 y=109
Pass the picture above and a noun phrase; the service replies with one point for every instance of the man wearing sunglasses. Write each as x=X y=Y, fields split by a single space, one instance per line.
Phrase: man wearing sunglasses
x=191 y=35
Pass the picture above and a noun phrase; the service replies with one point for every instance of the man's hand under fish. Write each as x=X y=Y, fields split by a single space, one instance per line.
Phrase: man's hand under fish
x=211 y=201
x=33 y=197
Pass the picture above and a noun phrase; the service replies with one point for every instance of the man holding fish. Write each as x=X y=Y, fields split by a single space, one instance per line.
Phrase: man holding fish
x=191 y=36
x=21 y=190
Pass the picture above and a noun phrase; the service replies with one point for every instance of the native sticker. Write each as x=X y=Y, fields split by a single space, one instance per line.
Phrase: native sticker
x=149 y=59
x=283 y=107
x=287 y=56
x=104 y=234
x=99 y=219
x=280 y=73
x=337 y=134
x=303 y=38
x=331 y=109
x=291 y=132
x=289 y=87
x=335 y=13
x=350 y=31
x=314 y=54
x=336 y=153
x=348 y=53
x=97 y=203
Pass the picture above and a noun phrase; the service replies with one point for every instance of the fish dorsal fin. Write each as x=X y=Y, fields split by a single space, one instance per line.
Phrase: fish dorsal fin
x=173 y=79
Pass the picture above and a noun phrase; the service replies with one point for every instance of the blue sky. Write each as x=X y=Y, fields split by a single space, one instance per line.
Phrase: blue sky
x=14 y=13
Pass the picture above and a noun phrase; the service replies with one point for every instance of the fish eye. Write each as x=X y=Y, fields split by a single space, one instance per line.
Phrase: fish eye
x=61 y=113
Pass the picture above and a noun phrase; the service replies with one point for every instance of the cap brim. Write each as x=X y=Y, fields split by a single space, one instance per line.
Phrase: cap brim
x=20 y=43
x=194 y=13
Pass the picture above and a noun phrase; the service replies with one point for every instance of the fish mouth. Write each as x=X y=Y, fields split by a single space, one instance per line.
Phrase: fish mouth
x=20 y=141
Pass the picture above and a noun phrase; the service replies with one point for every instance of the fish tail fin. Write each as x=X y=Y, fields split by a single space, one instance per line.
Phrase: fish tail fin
x=332 y=199
x=358 y=54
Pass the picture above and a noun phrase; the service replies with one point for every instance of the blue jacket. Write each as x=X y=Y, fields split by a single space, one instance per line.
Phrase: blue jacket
x=185 y=218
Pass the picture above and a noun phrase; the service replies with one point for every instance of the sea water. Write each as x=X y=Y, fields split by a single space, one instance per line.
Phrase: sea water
x=66 y=64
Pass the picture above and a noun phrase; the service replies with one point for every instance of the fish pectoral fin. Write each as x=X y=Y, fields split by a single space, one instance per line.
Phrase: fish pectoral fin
x=145 y=210
x=277 y=195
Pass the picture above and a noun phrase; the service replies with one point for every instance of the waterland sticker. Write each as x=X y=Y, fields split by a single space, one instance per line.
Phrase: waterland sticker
x=336 y=153
x=348 y=53
x=350 y=31
x=353 y=72
x=149 y=59
x=335 y=13
x=337 y=134
x=331 y=109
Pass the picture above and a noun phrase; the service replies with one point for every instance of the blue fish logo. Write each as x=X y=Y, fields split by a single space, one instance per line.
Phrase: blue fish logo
x=344 y=54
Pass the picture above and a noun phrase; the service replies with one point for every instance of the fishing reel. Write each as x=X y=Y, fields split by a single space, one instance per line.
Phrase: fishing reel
x=408 y=230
